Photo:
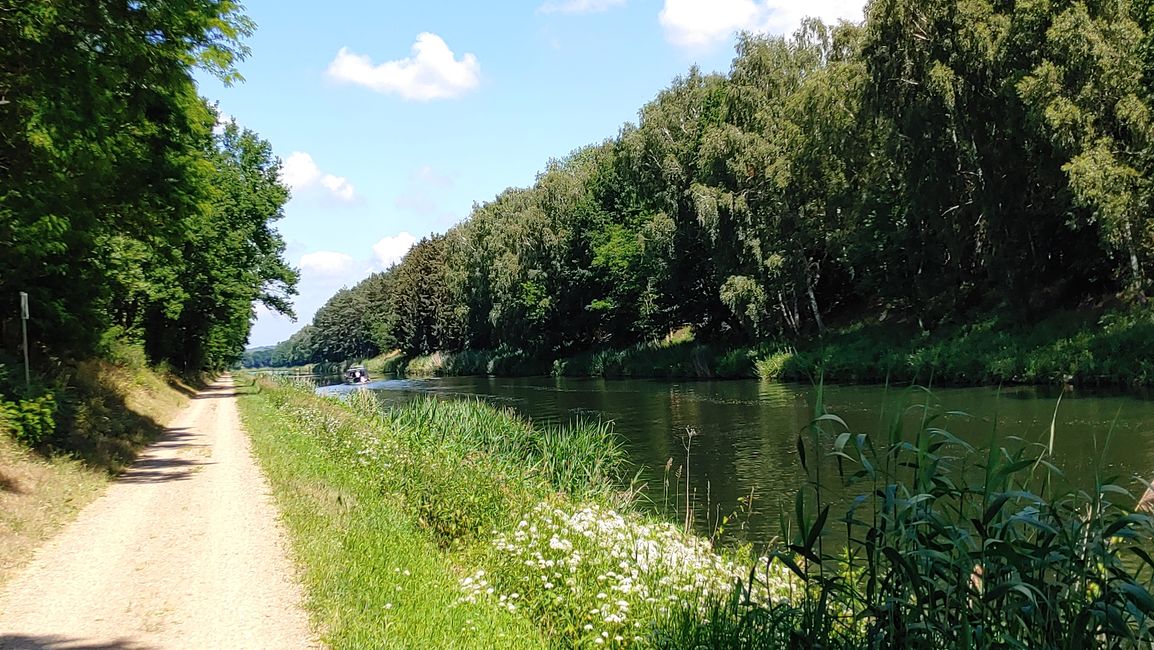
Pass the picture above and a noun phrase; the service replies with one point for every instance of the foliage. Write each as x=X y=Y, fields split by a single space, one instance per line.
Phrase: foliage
x=29 y=421
x=949 y=545
x=940 y=164
x=120 y=208
x=1084 y=348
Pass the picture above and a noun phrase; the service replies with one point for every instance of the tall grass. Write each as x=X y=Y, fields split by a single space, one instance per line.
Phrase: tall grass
x=583 y=459
x=375 y=577
x=948 y=544
x=539 y=523
x=1083 y=348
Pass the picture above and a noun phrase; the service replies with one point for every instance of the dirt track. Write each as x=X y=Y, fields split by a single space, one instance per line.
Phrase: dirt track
x=183 y=551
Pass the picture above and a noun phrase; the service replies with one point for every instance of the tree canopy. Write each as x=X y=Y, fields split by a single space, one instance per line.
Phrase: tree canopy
x=940 y=160
x=125 y=209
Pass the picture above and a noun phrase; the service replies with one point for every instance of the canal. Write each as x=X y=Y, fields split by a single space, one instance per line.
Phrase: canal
x=728 y=440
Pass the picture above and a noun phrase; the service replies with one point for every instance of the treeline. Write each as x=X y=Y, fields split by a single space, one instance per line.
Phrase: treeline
x=941 y=161
x=126 y=212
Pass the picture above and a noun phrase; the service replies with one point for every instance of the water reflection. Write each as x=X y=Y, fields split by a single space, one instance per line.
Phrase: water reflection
x=747 y=430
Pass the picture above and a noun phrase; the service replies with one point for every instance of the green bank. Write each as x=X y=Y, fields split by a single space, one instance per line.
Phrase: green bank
x=435 y=523
x=1086 y=348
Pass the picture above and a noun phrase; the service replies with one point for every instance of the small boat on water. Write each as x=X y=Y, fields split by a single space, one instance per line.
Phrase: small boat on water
x=357 y=375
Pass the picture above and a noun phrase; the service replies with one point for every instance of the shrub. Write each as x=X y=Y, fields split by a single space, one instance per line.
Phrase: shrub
x=773 y=367
x=735 y=364
x=30 y=421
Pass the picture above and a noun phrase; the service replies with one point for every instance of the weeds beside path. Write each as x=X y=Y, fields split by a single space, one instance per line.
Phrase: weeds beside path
x=454 y=524
x=110 y=412
x=183 y=550
x=375 y=577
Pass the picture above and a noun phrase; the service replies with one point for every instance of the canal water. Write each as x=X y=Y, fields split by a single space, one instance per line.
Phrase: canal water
x=744 y=433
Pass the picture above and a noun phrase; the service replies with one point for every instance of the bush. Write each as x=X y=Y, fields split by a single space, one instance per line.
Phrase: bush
x=736 y=364
x=773 y=367
x=29 y=421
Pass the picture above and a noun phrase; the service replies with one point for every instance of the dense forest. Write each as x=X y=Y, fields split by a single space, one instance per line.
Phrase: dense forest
x=127 y=212
x=943 y=159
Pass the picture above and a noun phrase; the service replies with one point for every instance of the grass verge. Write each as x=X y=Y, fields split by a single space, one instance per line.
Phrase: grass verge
x=455 y=524
x=1086 y=348
x=374 y=577
x=1089 y=348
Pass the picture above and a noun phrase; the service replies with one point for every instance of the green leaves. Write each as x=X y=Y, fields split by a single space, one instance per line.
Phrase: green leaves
x=119 y=208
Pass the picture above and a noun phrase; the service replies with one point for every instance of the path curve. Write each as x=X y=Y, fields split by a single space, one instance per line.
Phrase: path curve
x=184 y=550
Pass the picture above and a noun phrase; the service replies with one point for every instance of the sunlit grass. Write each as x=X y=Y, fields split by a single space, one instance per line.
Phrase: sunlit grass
x=373 y=577
x=484 y=509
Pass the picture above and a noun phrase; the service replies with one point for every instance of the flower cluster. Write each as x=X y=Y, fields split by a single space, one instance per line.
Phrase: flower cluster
x=599 y=576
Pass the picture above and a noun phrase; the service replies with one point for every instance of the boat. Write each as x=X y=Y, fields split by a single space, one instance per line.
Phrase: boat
x=357 y=375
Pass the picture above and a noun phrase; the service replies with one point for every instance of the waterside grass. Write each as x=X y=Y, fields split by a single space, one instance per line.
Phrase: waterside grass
x=524 y=537
x=455 y=524
x=374 y=576
x=946 y=545
x=1086 y=348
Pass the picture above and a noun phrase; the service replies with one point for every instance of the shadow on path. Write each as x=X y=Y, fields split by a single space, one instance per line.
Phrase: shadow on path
x=181 y=388
x=161 y=470
x=218 y=390
x=22 y=642
x=9 y=485
x=154 y=468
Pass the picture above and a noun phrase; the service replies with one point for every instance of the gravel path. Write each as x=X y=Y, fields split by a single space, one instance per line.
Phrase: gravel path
x=183 y=551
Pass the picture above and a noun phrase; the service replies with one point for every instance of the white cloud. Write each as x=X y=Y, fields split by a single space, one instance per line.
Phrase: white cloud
x=786 y=15
x=299 y=170
x=222 y=120
x=327 y=263
x=301 y=173
x=339 y=186
x=433 y=72
x=578 y=6
x=698 y=24
x=390 y=250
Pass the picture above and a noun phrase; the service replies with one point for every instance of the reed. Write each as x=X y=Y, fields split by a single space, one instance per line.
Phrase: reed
x=948 y=544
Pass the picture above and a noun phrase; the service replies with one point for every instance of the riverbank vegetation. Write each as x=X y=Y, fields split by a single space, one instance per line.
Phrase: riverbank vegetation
x=458 y=523
x=1087 y=347
x=937 y=169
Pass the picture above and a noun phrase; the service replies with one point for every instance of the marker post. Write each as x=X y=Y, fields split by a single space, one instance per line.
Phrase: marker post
x=24 y=324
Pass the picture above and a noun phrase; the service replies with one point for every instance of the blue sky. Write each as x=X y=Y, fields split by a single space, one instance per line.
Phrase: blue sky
x=394 y=118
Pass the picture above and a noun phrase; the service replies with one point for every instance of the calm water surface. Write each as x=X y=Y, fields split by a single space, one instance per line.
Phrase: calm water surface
x=746 y=431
